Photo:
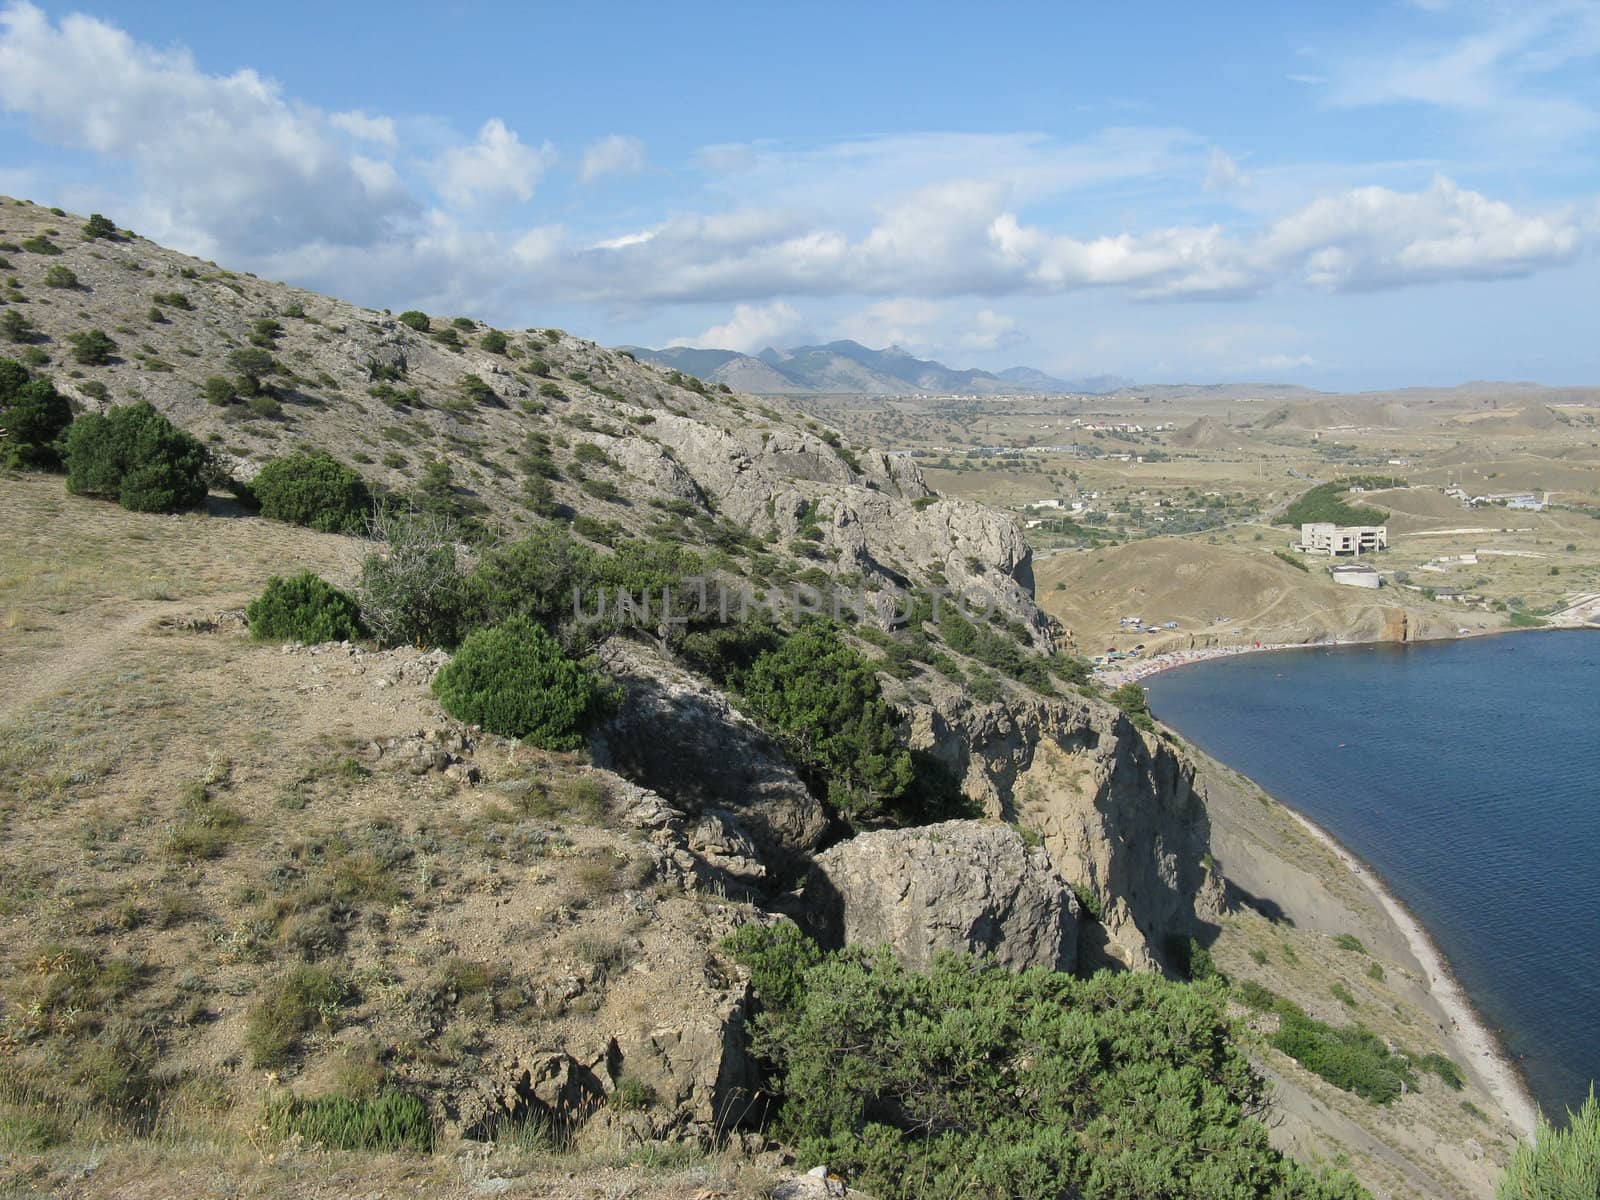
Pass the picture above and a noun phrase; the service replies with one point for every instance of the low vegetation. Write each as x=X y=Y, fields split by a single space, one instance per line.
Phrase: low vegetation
x=304 y=608
x=314 y=490
x=515 y=680
x=1326 y=502
x=970 y=1081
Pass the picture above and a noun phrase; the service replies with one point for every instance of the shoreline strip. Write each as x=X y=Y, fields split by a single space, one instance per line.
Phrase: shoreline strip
x=1471 y=1033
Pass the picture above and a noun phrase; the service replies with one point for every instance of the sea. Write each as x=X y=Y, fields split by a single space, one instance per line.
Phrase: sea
x=1467 y=774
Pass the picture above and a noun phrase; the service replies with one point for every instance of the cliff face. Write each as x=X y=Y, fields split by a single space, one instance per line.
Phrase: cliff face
x=1118 y=812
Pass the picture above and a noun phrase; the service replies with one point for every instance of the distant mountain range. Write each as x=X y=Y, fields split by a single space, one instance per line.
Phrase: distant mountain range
x=848 y=366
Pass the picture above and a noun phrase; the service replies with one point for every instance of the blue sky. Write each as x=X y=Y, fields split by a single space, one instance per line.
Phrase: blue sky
x=1353 y=195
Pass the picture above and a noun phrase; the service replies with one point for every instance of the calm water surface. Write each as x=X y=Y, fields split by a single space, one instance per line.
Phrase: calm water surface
x=1468 y=774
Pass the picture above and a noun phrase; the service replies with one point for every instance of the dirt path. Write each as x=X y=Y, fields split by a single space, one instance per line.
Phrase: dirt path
x=57 y=671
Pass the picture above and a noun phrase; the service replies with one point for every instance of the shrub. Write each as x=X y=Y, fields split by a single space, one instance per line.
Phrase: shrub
x=16 y=327
x=416 y=320
x=220 y=391
x=1352 y=1058
x=1131 y=699
x=314 y=490
x=475 y=390
x=1560 y=1164
x=968 y=1080
x=823 y=699
x=515 y=680
x=252 y=363
x=388 y=1121
x=304 y=608
x=40 y=245
x=98 y=226
x=411 y=590
x=265 y=406
x=60 y=277
x=93 y=348
x=494 y=342
x=32 y=417
x=1349 y=941
x=134 y=455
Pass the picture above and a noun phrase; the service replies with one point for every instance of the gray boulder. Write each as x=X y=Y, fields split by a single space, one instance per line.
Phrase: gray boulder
x=966 y=886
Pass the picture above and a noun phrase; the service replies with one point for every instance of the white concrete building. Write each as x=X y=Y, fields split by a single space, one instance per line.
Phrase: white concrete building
x=1355 y=575
x=1324 y=537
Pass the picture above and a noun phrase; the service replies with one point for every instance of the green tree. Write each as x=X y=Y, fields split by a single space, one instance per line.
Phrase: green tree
x=823 y=699
x=1561 y=1164
x=134 y=455
x=98 y=226
x=415 y=320
x=494 y=342
x=314 y=490
x=515 y=680
x=32 y=417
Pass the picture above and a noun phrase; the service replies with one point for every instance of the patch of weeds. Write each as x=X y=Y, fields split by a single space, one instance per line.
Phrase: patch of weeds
x=306 y=998
x=1343 y=995
x=204 y=829
x=631 y=1095
x=1349 y=941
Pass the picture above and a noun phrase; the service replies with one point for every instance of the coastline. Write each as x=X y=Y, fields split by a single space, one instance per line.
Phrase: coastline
x=1469 y=1032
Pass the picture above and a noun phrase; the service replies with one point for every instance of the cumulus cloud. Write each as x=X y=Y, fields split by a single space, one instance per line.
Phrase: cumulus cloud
x=615 y=154
x=225 y=160
x=902 y=321
x=752 y=327
x=495 y=166
x=367 y=128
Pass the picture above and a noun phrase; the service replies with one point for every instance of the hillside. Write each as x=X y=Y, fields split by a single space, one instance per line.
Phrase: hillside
x=256 y=882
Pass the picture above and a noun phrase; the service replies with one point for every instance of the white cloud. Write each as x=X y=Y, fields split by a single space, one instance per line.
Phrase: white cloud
x=615 y=154
x=227 y=163
x=752 y=327
x=1223 y=173
x=1490 y=72
x=495 y=166
x=903 y=322
x=367 y=128
x=1373 y=237
x=1284 y=362
x=990 y=331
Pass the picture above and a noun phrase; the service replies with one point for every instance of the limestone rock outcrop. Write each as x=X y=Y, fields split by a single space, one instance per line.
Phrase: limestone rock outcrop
x=676 y=736
x=965 y=886
x=1117 y=811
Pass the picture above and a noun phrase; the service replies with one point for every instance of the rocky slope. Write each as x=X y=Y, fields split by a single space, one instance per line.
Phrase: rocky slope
x=636 y=448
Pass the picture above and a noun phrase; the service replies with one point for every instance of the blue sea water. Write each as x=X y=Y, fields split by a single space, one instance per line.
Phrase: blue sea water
x=1467 y=773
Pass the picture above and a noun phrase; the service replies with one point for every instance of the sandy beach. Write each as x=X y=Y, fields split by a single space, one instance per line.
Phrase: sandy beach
x=1144 y=668
x=1477 y=1043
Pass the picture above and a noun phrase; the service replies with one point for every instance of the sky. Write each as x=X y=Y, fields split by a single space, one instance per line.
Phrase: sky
x=1361 y=195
